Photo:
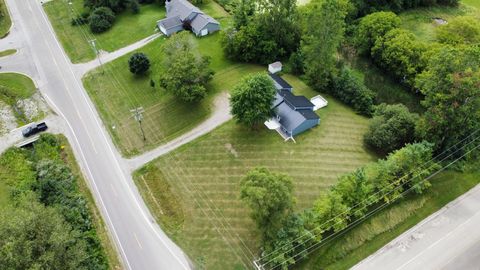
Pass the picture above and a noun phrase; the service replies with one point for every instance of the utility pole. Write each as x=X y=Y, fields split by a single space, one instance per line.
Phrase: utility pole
x=138 y=115
x=93 y=43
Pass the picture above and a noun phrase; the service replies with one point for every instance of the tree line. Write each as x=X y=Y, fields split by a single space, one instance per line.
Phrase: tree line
x=287 y=235
x=48 y=224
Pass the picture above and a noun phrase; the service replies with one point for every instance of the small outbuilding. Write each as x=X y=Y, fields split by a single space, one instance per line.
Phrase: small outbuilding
x=275 y=67
x=170 y=25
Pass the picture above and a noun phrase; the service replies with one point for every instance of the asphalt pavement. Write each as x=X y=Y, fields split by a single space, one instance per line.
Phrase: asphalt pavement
x=140 y=241
x=447 y=240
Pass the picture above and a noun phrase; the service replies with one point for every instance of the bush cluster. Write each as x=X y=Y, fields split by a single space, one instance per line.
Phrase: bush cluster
x=350 y=90
x=101 y=19
x=363 y=7
x=392 y=127
x=43 y=174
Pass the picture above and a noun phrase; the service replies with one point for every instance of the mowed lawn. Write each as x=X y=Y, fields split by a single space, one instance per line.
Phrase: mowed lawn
x=116 y=91
x=194 y=191
x=5 y=21
x=420 y=21
x=127 y=29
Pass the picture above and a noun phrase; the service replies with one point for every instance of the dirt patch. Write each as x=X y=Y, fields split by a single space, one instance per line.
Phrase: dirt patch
x=232 y=150
x=7 y=118
x=33 y=108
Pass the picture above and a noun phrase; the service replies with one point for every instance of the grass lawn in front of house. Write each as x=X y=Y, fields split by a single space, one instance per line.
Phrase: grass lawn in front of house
x=127 y=29
x=194 y=191
x=116 y=91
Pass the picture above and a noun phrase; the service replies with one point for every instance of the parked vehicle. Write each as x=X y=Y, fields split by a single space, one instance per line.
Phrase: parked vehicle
x=34 y=129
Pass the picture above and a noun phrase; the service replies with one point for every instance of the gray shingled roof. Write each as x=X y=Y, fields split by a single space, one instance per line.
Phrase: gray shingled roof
x=280 y=83
x=171 y=22
x=182 y=8
x=289 y=118
x=296 y=101
x=200 y=21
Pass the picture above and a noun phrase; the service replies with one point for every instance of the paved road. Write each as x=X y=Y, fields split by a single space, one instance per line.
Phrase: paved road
x=140 y=241
x=448 y=239
x=220 y=115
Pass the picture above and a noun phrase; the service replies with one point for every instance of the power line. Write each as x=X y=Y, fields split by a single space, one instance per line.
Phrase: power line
x=309 y=232
x=136 y=116
x=315 y=246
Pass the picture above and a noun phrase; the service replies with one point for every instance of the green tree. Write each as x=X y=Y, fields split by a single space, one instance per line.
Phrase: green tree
x=330 y=213
x=452 y=96
x=460 y=30
x=373 y=26
x=401 y=54
x=36 y=237
x=252 y=99
x=270 y=198
x=355 y=190
x=401 y=170
x=186 y=72
x=392 y=127
x=353 y=92
x=138 y=63
x=323 y=36
x=243 y=13
x=101 y=19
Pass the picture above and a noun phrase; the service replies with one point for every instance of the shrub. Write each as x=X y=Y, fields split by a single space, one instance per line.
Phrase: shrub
x=401 y=54
x=461 y=30
x=372 y=27
x=351 y=91
x=101 y=19
x=138 y=63
x=392 y=127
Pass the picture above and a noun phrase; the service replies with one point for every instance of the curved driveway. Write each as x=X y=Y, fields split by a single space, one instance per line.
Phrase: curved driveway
x=141 y=242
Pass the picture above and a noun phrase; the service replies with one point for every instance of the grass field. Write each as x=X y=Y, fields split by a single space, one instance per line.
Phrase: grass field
x=194 y=191
x=116 y=91
x=127 y=29
x=16 y=86
x=7 y=52
x=5 y=21
x=420 y=21
x=357 y=244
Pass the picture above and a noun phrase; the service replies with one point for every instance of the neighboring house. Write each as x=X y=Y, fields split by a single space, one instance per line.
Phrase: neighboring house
x=293 y=114
x=182 y=15
x=275 y=67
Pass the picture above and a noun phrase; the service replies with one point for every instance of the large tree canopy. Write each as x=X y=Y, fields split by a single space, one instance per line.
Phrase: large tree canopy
x=264 y=31
x=323 y=36
x=392 y=127
x=269 y=195
x=460 y=30
x=186 y=72
x=252 y=99
x=36 y=237
x=373 y=26
x=451 y=85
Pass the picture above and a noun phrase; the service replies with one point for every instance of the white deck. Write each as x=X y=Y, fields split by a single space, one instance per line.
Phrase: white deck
x=318 y=102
